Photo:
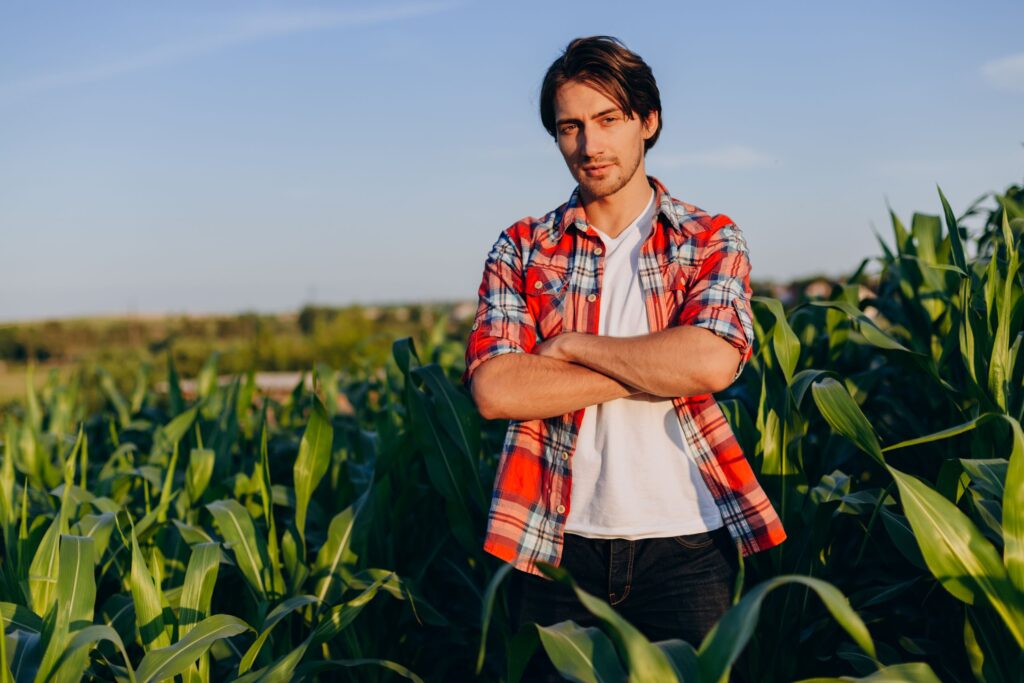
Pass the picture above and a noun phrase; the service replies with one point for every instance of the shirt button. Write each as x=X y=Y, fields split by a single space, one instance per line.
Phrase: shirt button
x=537 y=285
x=598 y=251
x=565 y=455
x=561 y=509
x=476 y=325
x=592 y=298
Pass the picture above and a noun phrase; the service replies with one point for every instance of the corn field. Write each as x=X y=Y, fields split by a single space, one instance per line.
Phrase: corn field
x=240 y=538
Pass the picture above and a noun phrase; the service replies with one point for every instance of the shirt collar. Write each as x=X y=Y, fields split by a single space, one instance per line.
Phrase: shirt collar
x=574 y=215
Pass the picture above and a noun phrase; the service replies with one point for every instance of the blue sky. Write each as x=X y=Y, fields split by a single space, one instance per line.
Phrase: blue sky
x=218 y=157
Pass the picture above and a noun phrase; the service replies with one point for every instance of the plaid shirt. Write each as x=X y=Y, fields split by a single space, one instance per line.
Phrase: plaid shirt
x=542 y=277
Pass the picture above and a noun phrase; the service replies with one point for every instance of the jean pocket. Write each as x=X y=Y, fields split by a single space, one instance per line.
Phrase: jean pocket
x=696 y=541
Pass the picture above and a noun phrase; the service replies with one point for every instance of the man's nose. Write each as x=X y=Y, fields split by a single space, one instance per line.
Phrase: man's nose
x=592 y=142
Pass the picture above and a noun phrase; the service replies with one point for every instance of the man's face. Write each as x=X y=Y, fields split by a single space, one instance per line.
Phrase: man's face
x=601 y=146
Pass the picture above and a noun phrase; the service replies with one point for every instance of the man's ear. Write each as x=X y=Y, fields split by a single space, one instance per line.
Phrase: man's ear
x=650 y=124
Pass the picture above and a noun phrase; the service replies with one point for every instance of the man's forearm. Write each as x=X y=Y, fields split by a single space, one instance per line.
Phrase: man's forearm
x=524 y=386
x=678 y=361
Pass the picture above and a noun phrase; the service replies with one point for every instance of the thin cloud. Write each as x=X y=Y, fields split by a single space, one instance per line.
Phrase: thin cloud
x=729 y=157
x=247 y=29
x=1005 y=73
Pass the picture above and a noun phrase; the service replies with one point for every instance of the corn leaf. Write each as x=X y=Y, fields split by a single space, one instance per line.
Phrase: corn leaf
x=170 y=661
x=581 y=654
x=240 y=536
x=312 y=462
x=644 y=661
x=149 y=612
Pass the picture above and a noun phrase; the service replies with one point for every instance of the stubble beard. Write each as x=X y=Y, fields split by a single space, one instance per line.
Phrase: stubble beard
x=608 y=186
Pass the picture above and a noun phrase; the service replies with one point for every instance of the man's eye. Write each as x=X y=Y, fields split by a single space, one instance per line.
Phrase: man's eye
x=568 y=128
x=610 y=119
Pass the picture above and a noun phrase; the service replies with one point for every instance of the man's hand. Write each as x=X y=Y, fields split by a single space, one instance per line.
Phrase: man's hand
x=564 y=347
x=558 y=347
x=678 y=361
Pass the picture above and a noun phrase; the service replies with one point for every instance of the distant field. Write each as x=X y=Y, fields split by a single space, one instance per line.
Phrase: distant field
x=341 y=338
x=13 y=377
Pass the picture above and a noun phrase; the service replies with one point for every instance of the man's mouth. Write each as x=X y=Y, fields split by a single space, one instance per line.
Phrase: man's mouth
x=596 y=169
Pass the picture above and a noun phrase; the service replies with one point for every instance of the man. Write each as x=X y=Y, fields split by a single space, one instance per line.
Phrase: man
x=603 y=329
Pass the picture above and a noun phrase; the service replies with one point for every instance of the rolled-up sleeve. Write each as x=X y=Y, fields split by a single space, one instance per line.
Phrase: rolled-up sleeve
x=719 y=296
x=502 y=324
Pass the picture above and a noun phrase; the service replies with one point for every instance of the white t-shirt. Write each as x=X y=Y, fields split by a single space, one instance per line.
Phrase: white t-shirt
x=633 y=472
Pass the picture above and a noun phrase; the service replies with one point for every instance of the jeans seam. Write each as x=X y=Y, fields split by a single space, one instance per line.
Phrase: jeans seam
x=689 y=545
x=611 y=564
x=629 y=576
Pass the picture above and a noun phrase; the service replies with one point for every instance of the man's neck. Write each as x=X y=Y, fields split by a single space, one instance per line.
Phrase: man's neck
x=614 y=213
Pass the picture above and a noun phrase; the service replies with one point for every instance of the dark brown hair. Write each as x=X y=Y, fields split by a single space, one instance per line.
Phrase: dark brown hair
x=605 y=64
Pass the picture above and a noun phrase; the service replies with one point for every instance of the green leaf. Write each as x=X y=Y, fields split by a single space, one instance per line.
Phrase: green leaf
x=312 y=462
x=166 y=662
x=942 y=434
x=988 y=475
x=447 y=465
x=112 y=393
x=902 y=536
x=486 y=608
x=336 y=619
x=177 y=403
x=43 y=571
x=239 y=533
x=682 y=656
x=87 y=637
x=1013 y=511
x=845 y=417
x=149 y=611
x=261 y=477
x=98 y=528
x=24 y=648
x=331 y=664
x=897 y=673
x=784 y=341
x=196 y=596
x=459 y=418
x=645 y=661
x=335 y=549
x=726 y=640
x=956 y=552
x=21 y=617
x=5 y=670
x=167 y=436
x=197 y=588
x=1001 y=362
x=275 y=616
x=873 y=334
x=76 y=595
x=959 y=259
x=581 y=654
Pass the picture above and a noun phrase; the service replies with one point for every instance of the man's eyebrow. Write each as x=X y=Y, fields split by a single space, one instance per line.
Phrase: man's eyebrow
x=613 y=110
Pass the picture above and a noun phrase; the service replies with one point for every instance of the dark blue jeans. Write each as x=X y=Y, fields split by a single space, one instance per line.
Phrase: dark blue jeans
x=673 y=587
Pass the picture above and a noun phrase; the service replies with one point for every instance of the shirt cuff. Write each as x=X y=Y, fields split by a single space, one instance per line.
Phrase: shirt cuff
x=729 y=323
x=485 y=348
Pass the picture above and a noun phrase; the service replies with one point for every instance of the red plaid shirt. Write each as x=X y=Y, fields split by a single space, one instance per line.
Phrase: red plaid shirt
x=543 y=277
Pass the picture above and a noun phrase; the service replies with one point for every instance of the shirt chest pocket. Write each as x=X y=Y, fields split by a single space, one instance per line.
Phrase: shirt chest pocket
x=546 y=291
x=678 y=280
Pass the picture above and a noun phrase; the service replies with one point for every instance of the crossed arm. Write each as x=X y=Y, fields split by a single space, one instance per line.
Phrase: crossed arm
x=574 y=370
x=701 y=352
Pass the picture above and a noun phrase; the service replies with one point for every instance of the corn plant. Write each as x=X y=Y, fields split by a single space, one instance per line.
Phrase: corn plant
x=235 y=537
